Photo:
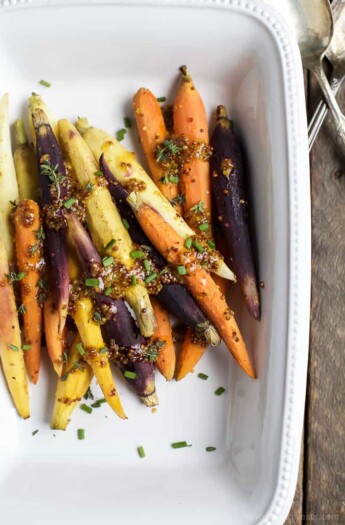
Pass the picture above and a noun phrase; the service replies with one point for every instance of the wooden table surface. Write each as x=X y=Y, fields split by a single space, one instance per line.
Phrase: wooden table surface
x=320 y=494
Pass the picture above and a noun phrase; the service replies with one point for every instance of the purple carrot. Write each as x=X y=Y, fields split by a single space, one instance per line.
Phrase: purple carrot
x=120 y=328
x=228 y=186
x=54 y=184
x=119 y=195
x=174 y=297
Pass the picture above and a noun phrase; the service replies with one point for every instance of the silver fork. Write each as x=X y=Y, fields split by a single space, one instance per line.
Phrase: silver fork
x=336 y=55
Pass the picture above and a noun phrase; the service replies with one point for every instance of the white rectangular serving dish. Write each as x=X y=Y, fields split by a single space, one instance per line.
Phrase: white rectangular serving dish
x=97 y=54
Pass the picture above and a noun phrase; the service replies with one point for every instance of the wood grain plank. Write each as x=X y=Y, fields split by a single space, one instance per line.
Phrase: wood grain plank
x=325 y=458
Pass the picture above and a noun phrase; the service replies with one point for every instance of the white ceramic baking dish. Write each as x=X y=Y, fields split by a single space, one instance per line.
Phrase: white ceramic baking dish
x=96 y=55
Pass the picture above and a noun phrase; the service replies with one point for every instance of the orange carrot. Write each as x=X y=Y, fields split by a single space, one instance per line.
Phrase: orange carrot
x=191 y=353
x=166 y=357
x=190 y=121
x=152 y=132
x=28 y=237
x=199 y=282
x=56 y=343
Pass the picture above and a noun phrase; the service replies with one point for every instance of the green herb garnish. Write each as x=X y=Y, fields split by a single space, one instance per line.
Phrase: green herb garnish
x=86 y=408
x=52 y=172
x=40 y=235
x=14 y=277
x=91 y=282
x=203 y=376
x=181 y=270
x=110 y=244
x=88 y=394
x=137 y=254
x=129 y=375
x=203 y=227
x=103 y=350
x=97 y=317
x=180 y=444
x=188 y=242
x=13 y=347
x=108 y=291
x=210 y=449
x=81 y=433
x=45 y=83
x=107 y=261
x=89 y=186
x=151 y=277
x=174 y=179
x=198 y=246
x=146 y=265
x=80 y=348
x=125 y=223
x=98 y=173
x=169 y=147
x=26 y=347
x=22 y=309
x=34 y=432
x=211 y=244
x=220 y=390
x=133 y=280
x=127 y=122
x=179 y=199
x=69 y=203
x=141 y=452
x=199 y=207
x=120 y=135
x=161 y=99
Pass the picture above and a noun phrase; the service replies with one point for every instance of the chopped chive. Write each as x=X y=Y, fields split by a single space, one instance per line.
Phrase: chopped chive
x=203 y=227
x=80 y=348
x=92 y=282
x=161 y=99
x=220 y=390
x=181 y=270
x=21 y=276
x=89 y=186
x=188 y=242
x=34 y=432
x=102 y=400
x=210 y=449
x=203 y=376
x=141 y=452
x=129 y=375
x=180 y=444
x=64 y=357
x=69 y=203
x=13 y=347
x=78 y=366
x=133 y=280
x=136 y=254
x=97 y=317
x=127 y=122
x=86 y=408
x=26 y=347
x=96 y=405
x=45 y=83
x=110 y=244
x=120 y=135
x=151 y=277
x=98 y=173
x=108 y=291
x=174 y=179
x=81 y=433
x=125 y=223
x=147 y=265
x=103 y=350
x=198 y=246
x=211 y=244
x=107 y=261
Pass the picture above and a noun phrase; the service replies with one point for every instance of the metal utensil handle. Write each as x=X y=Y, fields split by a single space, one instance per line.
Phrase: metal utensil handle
x=339 y=118
x=321 y=113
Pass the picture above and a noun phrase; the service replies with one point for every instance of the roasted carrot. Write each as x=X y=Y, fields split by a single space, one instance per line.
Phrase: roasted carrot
x=152 y=132
x=56 y=343
x=191 y=352
x=72 y=385
x=29 y=243
x=166 y=357
x=198 y=280
x=190 y=121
